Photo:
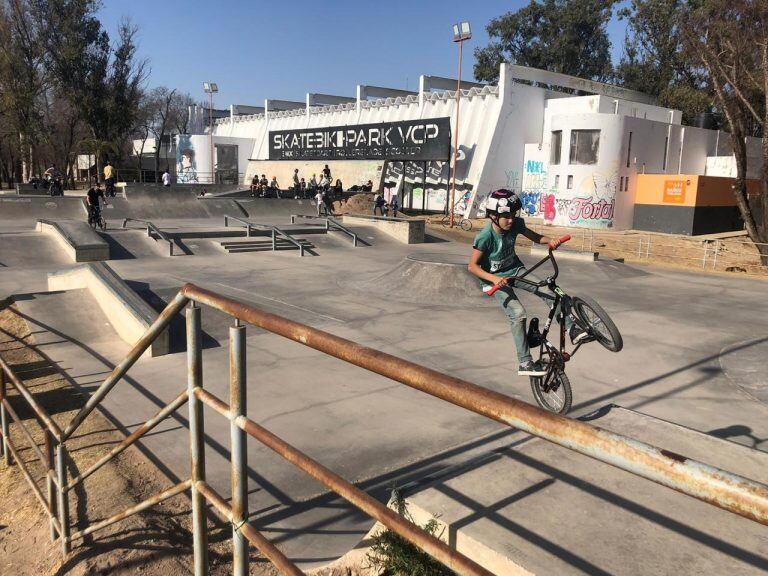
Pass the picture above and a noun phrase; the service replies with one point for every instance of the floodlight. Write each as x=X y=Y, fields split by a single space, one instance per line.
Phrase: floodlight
x=210 y=87
x=461 y=32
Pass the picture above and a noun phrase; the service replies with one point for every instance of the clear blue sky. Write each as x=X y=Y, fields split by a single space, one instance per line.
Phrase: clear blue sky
x=257 y=49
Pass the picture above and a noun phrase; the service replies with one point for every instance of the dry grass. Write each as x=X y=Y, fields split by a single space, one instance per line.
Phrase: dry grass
x=156 y=542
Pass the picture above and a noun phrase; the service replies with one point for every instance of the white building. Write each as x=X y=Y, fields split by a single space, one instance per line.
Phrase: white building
x=574 y=159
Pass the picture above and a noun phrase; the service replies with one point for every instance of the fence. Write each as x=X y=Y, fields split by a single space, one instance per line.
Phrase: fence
x=718 y=487
x=713 y=254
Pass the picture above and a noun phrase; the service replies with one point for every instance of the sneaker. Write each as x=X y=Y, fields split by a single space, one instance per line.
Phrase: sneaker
x=577 y=334
x=531 y=368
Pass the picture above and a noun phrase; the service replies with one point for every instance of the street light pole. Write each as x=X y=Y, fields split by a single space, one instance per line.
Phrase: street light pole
x=461 y=33
x=210 y=88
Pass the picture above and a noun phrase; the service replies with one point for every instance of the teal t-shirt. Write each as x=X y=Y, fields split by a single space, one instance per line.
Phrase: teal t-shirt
x=499 y=256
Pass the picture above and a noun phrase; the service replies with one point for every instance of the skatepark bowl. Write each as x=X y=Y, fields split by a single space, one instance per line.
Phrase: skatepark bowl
x=725 y=490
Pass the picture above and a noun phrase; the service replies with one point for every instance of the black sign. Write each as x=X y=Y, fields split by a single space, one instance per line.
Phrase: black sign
x=428 y=139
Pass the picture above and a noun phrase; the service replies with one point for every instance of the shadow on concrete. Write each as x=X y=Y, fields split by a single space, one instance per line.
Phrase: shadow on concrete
x=738 y=431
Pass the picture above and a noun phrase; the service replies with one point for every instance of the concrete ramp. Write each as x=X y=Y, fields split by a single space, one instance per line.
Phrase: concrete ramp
x=533 y=507
x=129 y=315
x=168 y=203
x=30 y=208
x=433 y=278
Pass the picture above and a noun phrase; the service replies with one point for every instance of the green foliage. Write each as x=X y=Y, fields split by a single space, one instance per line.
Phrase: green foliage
x=567 y=36
x=654 y=60
x=393 y=555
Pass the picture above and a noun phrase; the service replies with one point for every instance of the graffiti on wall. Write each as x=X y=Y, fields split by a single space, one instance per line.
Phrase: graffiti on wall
x=186 y=165
x=592 y=203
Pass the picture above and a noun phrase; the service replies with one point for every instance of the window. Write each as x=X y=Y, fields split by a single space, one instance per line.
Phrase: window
x=556 y=146
x=584 y=146
x=570 y=181
x=557 y=182
x=629 y=149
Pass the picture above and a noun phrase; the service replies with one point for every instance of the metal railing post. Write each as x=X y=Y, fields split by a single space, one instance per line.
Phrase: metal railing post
x=4 y=422
x=61 y=458
x=274 y=240
x=293 y=219
x=239 y=463
x=226 y=221
x=196 y=439
x=50 y=465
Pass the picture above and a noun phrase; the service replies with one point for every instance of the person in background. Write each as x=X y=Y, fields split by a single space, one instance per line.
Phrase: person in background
x=302 y=189
x=263 y=184
x=167 y=178
x=394 y=205
x=296 y=180
x=254 y=184
x=313 y=183
x=324 y=183
x=367 y=187
x=327 y=173
x=320 y=200
x=109 y=178
x=338 y=188
x=378 y=203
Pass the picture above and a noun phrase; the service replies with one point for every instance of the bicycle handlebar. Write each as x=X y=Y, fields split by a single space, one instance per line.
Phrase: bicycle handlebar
x=493 y=289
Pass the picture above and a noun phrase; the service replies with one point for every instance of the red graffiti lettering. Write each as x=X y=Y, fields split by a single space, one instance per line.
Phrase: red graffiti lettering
x=585 y=209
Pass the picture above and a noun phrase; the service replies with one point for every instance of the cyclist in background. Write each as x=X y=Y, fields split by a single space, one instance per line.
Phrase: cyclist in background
x=92 y=199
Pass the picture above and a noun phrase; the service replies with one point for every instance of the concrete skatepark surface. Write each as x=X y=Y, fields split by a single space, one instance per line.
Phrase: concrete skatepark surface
x=681 y=332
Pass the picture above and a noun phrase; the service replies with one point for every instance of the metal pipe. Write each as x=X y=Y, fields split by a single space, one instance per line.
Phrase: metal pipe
x=130 y=440
x=49 y=479
x=119 y=371
x=375 y=509
x=4 y=420
x=255 y=537
x=196 y=438
x=28 y=475
x=40 y=412
x=15 y=418
x=274 y=243
x=239 y=458
x=213 y=402
x=63 y=499
x=148 y=503
x=718 y=487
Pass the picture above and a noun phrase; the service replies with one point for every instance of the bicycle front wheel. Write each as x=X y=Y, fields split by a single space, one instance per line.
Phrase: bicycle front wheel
x=598 y=323
x=446 y=221
x=553 y=394
x=466 y=225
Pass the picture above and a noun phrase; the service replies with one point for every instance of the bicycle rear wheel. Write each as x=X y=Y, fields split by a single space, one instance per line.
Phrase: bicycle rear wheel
x=555 y=395
x=598 y=323
x=102 y=224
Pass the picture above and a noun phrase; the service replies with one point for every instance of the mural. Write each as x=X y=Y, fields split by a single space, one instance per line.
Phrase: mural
x=591 y=203
x=186 y=166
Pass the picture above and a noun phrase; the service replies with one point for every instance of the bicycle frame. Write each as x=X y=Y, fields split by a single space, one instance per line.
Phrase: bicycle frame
x=558 y=355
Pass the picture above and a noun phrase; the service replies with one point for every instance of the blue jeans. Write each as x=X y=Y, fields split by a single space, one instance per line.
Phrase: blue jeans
x=517 y=315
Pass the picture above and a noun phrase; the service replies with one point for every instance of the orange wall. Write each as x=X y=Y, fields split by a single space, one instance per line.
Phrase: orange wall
x=688 y=190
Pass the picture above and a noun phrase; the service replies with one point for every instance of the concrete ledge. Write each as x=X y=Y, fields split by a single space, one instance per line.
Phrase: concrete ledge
x=405 y=231
x=79 y=241
x=562 y=254
x=127 y=312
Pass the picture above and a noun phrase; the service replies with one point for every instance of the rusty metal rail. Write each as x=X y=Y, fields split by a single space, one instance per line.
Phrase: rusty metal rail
x=731 y=492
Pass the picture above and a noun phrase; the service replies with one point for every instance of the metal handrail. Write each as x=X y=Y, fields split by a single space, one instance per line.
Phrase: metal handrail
x=328 y=223
x=152 y=228
x=729 y=491
x=275 y=231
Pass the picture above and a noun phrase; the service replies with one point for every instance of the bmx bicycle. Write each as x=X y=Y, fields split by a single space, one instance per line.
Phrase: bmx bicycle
x=96 y=219
x=458 y=220
x=552 y=391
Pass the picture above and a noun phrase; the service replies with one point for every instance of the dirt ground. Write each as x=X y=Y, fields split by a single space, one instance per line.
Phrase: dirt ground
x=156 y=542
x=731 y=254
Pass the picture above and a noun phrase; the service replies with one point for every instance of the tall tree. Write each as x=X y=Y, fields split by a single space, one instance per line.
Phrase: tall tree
x=653 y=60
x=567 y=36
x=729 y=38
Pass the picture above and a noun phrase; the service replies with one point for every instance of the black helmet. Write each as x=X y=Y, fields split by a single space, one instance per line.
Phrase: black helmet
x=501 y=202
